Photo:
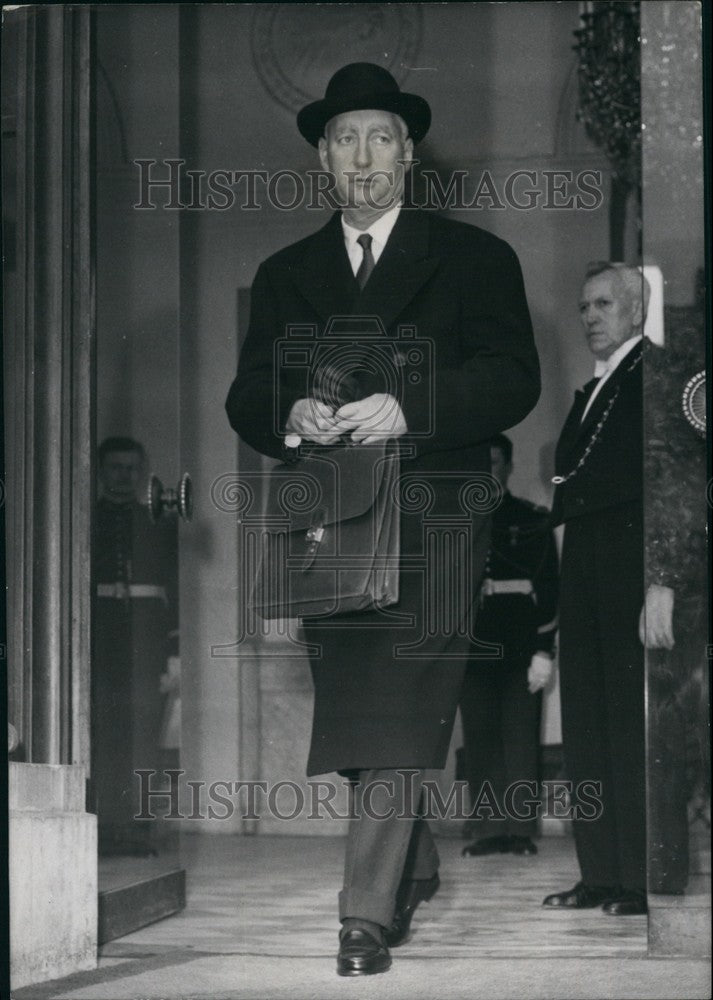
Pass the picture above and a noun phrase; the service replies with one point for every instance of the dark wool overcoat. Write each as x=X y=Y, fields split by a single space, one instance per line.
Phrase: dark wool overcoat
x=387 y=684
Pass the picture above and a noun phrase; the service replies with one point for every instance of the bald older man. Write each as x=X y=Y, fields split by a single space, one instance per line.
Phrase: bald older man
x=599 y=499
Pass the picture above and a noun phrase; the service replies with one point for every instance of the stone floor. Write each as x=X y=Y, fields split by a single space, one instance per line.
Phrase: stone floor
x=260 y=925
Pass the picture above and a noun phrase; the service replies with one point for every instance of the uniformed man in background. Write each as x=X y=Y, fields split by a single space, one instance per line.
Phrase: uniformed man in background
x=136 y=622
x=501 y=699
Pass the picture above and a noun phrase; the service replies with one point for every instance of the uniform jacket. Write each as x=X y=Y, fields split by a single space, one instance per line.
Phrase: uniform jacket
x=522 y=551
x=129 y=548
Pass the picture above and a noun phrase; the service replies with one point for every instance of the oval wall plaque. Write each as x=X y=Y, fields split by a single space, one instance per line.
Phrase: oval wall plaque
x=296 y=48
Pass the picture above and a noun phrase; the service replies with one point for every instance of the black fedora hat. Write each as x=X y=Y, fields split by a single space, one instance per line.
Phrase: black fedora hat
x=359 y=86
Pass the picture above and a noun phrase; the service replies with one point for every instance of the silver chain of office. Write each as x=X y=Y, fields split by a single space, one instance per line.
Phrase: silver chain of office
x=558 y=480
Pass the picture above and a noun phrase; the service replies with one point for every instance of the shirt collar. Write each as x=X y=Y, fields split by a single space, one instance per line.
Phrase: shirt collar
x=607 y=366
x=379 y=230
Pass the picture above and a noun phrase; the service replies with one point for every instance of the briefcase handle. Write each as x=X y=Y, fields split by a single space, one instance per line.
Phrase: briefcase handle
x=294 y=448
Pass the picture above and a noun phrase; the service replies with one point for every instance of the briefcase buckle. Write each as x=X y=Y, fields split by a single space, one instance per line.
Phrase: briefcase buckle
x=314 y=535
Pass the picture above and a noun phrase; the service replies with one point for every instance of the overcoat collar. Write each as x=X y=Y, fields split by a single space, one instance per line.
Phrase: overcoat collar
x=324 y=277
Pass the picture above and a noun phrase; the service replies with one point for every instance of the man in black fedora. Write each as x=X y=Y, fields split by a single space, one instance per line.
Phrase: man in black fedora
x=386 y=694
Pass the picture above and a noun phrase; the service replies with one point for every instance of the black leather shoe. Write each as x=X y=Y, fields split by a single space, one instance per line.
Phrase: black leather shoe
x=360 y=954
x=418 y=890
x=488 y=845
x=522 y=845
x=582 y=897
x=628 y=904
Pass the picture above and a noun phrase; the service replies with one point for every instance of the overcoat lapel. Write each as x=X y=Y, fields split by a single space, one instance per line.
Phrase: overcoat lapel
x=403 y=268
x=325 y=276
x=326 y=280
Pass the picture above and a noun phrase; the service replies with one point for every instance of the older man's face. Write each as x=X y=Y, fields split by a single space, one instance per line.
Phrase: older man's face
x=369 y=157
x=608 y=314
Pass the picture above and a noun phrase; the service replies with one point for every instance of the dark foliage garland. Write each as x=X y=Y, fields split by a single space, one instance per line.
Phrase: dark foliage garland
x=609 y=50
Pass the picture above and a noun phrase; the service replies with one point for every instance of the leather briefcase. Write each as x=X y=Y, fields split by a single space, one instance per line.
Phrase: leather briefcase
x=330 y=538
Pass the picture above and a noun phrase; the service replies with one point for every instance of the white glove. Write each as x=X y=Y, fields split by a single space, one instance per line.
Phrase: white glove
x=539 y=672
x=171 y=681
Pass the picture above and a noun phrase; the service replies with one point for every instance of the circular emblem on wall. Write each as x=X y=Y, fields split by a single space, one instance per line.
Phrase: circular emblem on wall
x=296 y=48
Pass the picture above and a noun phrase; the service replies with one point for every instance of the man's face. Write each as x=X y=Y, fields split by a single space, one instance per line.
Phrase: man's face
x=499 y=468
x=120 y=474
x=369 y=157
x=608 y=314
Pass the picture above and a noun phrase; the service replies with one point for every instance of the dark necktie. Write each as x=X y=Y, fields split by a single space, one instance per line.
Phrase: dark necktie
x=367 y=264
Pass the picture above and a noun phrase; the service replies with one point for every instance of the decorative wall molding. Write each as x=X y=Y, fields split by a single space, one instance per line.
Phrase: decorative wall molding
x=288 y=43
x=50 y=360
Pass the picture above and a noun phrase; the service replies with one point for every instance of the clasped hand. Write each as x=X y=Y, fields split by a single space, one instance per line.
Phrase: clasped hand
x=365 y=421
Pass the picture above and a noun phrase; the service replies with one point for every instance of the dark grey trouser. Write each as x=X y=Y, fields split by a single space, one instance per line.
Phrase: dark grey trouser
x=382 y=852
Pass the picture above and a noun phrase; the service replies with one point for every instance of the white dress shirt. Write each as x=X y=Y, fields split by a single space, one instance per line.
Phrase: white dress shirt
x=379 y=232
x=604 y=369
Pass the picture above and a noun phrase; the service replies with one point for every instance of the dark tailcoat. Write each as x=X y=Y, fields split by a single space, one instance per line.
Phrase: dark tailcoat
x=461 y=289
x=602 y=590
